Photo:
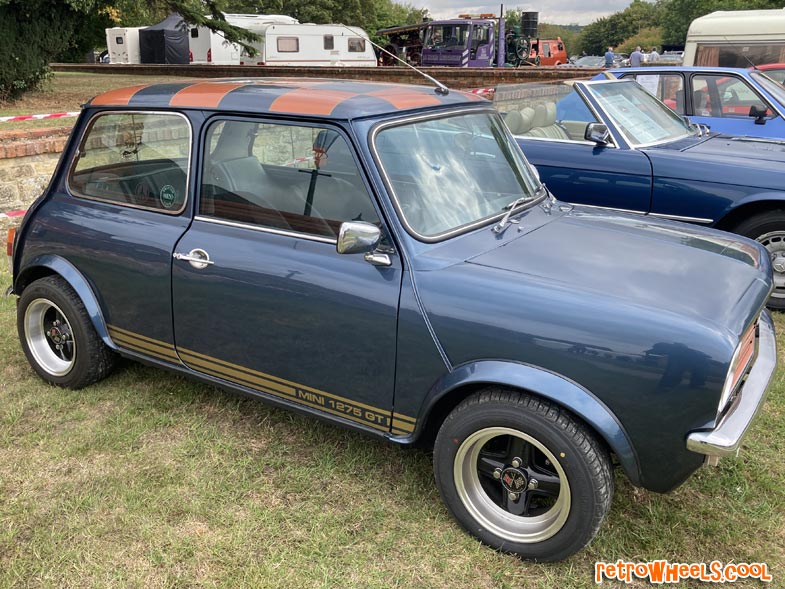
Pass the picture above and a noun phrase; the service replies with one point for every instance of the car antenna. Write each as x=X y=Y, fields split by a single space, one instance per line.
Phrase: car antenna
x=440 y=89
x=749 y=61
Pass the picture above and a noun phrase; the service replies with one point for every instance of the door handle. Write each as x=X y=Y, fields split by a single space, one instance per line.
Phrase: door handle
x=198 y=258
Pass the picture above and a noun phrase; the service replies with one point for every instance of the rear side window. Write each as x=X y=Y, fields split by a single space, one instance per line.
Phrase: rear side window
x=134 y=159
x=329 y=42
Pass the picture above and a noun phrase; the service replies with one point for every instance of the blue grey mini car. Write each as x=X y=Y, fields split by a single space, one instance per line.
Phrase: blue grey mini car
x=385 y=258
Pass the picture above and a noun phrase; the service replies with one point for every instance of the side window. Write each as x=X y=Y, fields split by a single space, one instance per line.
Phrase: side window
x=288 y=44
x=329 y=42
x=669 y=88
x=300 y=179
x=356 y=45
x=547 y=112
x=134 y=159
x=724 y=96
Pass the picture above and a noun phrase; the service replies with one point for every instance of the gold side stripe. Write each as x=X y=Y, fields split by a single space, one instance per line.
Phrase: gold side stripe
x=148 y=352
x=266 y=382
x=138 y=336
x=409 y=427
x=271 y=377
x=155 y=349
x=398 y=432
x=238 y=374
x=300 y=401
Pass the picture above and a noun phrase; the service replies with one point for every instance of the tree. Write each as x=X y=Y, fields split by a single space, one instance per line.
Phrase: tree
x=614 y=29
x=676 y=15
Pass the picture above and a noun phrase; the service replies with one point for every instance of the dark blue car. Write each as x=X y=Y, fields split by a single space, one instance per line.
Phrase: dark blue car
x=733 y=101
x=612 y=144
x=385 y=258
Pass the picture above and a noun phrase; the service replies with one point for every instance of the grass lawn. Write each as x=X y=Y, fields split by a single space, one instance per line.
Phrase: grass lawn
x=149 y=480
x=66 y=92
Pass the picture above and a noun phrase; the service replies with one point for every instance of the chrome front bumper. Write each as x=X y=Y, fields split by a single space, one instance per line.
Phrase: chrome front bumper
x=725 y=439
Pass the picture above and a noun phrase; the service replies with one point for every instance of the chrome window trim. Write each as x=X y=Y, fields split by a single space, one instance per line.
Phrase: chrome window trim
x=394 y=198
x=262 y=229
x=89 y=126
x=630 y=144
x=658 y=215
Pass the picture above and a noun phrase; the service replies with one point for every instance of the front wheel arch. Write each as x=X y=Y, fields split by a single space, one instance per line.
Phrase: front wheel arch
x=467 y=379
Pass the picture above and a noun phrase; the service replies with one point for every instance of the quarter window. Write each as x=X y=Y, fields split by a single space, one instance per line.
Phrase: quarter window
x=356 y=45
x=288 y=44
x=291 y=178
x=134 y=159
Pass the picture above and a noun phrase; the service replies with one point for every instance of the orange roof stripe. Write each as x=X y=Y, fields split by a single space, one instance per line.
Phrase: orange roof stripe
x=311 y=101
x=402 y=98
x=204 y=94
x=120 y=96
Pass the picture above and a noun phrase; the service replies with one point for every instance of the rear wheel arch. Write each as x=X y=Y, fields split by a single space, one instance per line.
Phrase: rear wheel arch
x=50 y=265
x=469 y=379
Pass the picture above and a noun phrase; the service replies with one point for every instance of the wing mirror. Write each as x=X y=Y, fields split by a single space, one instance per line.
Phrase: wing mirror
x=357 y=237
x=759 y=112
x=598 y=133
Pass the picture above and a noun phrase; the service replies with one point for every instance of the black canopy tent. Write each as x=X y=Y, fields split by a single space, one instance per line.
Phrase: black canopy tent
x=165 y=42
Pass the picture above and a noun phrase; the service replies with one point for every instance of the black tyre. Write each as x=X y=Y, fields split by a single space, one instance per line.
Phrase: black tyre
x=523 y=475
x=58 y=337
x=769 y=230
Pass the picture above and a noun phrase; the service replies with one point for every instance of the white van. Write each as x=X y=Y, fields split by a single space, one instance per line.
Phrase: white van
x=737 y=38
x=122 y=43
x=313 y=45
x=206 y=46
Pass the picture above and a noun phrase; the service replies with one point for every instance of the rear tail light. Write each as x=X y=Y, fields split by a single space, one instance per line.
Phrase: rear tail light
x=209 y=56
x=9 y=248
x=190 y=56
x=742 y=359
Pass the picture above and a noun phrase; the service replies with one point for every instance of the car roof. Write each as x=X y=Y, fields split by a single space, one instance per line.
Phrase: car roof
x=341 y=99
x=684 y=68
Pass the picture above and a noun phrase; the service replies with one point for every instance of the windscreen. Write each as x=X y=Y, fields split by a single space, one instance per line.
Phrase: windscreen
x=453 y=172
x=642 y=118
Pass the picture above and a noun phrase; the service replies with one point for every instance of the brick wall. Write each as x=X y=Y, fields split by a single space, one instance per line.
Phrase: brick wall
x=27 y=161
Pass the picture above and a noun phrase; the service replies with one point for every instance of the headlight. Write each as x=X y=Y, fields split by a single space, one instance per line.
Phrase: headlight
x=742 y=359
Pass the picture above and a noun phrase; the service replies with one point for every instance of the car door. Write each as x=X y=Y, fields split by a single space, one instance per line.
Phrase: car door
x=577 y=170
x=276 y=309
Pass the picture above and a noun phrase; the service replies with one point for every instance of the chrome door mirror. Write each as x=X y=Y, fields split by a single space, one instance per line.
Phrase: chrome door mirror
x=357 y=237
x=598 y=133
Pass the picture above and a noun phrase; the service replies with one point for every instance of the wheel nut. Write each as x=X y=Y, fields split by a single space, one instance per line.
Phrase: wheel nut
x=513 y=496
x=533 y=483
x=516 y=462
x=497 y=474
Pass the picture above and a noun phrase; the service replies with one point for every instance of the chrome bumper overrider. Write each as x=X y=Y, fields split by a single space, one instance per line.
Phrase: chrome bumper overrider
x=726 y=438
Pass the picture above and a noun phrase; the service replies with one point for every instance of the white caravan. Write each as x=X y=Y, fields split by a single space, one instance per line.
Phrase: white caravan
x=314 y=45
x=207 y=46
x=122 y=43
x=737 y=38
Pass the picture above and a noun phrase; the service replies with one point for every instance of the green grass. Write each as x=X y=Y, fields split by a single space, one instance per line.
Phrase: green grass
x=149 y=480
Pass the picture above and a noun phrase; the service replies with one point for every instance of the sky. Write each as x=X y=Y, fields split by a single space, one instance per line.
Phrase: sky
x=559 y=12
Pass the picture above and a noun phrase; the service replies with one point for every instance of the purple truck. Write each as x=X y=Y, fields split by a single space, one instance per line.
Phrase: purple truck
x=464 y=42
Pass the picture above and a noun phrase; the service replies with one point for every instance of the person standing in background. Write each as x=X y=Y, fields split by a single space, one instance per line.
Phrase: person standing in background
x=609 y=57
x=654 y=56
x=636 y=57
